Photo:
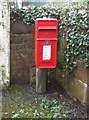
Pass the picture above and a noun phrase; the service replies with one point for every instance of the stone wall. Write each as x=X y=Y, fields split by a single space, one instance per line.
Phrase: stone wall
x=22 y=53
x=76 y=87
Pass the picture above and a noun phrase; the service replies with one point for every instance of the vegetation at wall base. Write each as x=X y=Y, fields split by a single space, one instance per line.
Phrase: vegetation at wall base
x=17 y=107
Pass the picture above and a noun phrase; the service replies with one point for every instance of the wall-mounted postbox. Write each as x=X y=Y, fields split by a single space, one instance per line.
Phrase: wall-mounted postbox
x=46 y=37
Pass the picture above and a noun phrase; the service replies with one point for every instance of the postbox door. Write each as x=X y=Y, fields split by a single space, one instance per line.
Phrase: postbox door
x=46 y=57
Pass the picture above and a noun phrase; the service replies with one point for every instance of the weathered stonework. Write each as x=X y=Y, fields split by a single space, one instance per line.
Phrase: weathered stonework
x=76 y=88
x=19 y=27
x=20 y=75
x=88 y=96
x=22 y=58
x=82 y=74
x=4 y=43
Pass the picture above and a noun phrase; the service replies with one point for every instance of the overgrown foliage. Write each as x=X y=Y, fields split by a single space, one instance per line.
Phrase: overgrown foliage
x=73 y=27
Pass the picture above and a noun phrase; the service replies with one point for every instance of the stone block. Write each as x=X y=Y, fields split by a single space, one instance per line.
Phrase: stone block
x=21 y=56
x=24 y=39
x=31 y=58
x=88 y=97
x=18 y=27
x=82 y=74
x=20 y=75
x=77 y=89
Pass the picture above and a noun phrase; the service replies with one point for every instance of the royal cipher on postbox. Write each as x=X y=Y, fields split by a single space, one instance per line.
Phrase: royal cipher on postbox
x=46 y=37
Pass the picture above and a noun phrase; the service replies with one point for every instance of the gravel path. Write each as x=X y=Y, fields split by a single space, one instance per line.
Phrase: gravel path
x=74 y=107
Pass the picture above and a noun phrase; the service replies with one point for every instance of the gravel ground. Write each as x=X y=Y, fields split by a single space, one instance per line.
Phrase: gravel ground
x=74 y=107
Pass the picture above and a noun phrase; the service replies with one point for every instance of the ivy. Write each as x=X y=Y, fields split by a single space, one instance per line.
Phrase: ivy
x=73 y=26
x=29 y=14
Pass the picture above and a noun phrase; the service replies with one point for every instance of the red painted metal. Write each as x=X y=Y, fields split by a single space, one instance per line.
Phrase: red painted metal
x=46 y=37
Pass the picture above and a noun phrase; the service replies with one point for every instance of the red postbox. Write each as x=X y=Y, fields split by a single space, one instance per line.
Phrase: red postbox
x=46 y=37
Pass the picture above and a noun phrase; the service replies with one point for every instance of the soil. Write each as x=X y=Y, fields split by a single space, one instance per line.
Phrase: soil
x=74 y=107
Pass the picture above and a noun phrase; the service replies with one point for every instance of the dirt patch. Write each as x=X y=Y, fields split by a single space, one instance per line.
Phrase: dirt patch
x=26 y=94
